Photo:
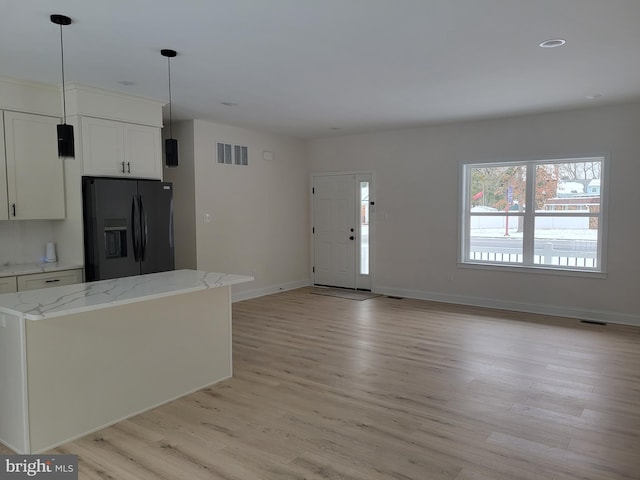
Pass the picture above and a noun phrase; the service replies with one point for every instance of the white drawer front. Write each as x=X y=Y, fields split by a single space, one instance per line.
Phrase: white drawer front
x=8 y=285
x=49 y=279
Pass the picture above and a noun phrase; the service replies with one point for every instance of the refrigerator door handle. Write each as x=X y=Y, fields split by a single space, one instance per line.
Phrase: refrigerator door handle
x=171 y=223
x=145 y=230
x=135 y=225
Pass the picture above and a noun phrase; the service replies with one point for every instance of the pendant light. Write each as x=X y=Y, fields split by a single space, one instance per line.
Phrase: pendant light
x=65 y=132
x=170 y=144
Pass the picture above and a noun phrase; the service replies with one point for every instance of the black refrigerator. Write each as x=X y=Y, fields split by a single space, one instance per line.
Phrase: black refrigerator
x=128 y=227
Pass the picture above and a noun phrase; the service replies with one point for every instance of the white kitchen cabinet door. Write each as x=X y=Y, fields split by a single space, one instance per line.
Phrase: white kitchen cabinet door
x=4 y=203
x=102 y=147
x=142 y=151
x=119 y=149
x=35 y=173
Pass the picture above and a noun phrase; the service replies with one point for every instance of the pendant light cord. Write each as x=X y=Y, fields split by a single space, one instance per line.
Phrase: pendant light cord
x=170 y=121
x=64 y=98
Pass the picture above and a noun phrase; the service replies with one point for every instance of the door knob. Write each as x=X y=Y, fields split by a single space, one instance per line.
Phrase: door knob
x=351 y=237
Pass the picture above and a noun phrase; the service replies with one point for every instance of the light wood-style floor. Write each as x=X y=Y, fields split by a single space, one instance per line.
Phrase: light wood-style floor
x=329 y=388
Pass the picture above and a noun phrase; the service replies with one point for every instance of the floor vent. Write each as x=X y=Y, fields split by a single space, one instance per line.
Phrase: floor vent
x=594 y=322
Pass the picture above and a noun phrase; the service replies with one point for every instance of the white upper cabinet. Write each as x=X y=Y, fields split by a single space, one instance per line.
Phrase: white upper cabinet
x=102 y=147
x=111 y=148
x=120 y=134
x=34 y=172
x=142 y=150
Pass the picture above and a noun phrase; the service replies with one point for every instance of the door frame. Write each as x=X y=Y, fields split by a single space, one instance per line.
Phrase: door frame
x=362 y=282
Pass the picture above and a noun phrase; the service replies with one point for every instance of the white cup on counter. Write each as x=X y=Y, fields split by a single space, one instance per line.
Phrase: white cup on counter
x=50 y=253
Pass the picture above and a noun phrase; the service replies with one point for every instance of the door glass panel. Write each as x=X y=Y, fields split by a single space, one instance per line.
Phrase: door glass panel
x=364 y=228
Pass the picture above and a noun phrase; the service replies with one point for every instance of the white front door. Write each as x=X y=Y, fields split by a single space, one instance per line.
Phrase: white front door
x=341 y=231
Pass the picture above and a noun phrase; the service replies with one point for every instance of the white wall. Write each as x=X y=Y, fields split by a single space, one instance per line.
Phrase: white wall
x=184 y=201
x=69 y=233
x=23 y=241
x=259 y=213
x=416 y=194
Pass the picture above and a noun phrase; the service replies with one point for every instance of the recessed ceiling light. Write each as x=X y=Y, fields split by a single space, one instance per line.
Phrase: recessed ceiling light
x=126 y=83
x=593 y=97
x=554 y=42
x=229 y=104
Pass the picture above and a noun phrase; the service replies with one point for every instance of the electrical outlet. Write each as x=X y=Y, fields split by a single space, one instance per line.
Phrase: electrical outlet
x=207 y=218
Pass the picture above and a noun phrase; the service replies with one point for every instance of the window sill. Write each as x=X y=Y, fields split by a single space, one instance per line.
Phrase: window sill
x=533 y=270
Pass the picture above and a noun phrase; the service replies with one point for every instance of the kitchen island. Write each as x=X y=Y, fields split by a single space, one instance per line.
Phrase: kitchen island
x=77 y=358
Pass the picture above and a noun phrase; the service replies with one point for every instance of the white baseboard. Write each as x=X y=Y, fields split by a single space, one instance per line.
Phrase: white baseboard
x=571 y=312
x=261 y=292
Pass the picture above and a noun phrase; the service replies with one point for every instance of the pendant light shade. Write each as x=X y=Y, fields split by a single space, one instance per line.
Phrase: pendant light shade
x=65 y=132
x=170 y=144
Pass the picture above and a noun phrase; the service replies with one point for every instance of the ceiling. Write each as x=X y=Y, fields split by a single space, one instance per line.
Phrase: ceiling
x=316 y=68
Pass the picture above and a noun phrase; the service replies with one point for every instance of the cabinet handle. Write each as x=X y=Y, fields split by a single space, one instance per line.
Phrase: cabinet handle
x=123 y=167
x=13 y=209
x=52 y=281
x=128 y=167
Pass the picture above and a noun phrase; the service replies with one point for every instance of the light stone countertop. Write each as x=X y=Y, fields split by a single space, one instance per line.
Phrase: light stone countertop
x=82 y=297
x=15 y=269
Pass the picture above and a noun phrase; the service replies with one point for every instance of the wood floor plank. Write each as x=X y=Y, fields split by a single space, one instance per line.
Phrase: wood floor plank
x=330 y=388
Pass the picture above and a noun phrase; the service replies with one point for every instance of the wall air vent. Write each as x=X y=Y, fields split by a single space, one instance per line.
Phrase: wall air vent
x=241 y=154
x=224 y=153
x=232 y=154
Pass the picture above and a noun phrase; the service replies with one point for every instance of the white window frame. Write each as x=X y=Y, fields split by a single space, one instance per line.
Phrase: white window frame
x=529 y=216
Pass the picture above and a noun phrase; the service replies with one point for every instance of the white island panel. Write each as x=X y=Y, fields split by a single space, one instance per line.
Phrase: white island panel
x=121 y=361
x=13 y=389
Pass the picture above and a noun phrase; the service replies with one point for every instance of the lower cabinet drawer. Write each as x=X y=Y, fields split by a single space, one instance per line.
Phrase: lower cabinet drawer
x=49 y=279
x=8 y=285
